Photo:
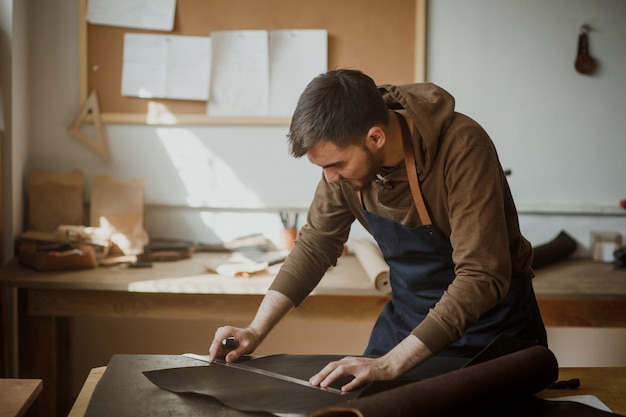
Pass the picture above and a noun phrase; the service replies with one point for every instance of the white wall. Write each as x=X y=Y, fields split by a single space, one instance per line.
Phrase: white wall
x=510 y=66
x=14 y=117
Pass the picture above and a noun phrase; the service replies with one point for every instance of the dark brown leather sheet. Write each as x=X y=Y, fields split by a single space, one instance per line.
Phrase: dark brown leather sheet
x=248 y=391
x=500 y=387
x=124 y=390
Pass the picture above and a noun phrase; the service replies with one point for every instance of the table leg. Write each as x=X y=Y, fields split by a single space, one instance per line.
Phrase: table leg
x=44 y=354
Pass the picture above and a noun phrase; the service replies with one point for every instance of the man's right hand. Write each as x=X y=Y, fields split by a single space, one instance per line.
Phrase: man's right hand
x=245 y=341
x=272 y=309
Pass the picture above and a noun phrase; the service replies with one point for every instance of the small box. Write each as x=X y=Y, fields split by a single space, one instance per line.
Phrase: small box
x=56 y=257
x=604 y=244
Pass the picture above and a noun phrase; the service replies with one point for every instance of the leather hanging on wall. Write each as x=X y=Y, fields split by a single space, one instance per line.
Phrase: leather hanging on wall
x=584 y=63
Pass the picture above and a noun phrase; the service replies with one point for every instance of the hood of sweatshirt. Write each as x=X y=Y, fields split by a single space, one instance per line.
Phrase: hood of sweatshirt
x=432 y=110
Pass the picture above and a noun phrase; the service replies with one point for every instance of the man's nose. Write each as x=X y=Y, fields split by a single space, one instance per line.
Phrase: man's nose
x=331 y=175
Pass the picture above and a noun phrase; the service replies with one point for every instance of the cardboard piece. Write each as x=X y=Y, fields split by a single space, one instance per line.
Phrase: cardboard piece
x=54 y=199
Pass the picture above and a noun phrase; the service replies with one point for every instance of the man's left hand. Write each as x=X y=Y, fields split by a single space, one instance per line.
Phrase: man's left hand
x=407 y=354
x=363 y=370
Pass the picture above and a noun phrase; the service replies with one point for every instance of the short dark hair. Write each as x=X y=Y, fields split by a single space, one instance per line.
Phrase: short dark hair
x=339 y=106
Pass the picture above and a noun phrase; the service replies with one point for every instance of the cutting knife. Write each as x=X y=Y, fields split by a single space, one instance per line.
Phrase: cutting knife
x=243 y=367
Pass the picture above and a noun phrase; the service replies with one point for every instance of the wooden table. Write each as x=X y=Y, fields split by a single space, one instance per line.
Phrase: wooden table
x=17 y=395
x=582 y=293
x=574 y=293
x=605 y=383
x=82 y=401
x=169 y=290
x=608 y=384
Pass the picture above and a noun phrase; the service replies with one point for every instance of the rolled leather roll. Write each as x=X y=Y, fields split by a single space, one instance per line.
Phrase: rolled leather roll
x=463 y=392
x=558 y=249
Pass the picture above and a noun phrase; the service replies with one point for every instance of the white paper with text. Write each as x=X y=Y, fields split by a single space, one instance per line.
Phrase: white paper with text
x=296 y=57
x=140 y=14
x=166 y=66
x=239 y=74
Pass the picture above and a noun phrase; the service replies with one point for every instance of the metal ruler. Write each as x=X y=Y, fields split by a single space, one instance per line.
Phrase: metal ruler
x=243 y=367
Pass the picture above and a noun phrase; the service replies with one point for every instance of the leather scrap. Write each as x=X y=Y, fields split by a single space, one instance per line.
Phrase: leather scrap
x=123 y=391
x=248 y=391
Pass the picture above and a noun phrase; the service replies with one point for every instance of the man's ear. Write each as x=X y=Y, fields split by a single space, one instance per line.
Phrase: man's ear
x=376 y=138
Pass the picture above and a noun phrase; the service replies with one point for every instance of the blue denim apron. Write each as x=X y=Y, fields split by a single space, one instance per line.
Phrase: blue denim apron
x=421 y=269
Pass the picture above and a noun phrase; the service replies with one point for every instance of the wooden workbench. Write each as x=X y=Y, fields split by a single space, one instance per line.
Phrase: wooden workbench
x=17 y=395
x=573 y=293
x=608 y=384
x=582 y=293
x=579 y=292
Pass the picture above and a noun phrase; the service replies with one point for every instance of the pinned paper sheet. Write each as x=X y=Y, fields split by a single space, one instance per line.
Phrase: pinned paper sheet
x=239 y=73
x=166 y=66
x=372 y=261
x=141 y=14
x=263 y=73
x=296 y=57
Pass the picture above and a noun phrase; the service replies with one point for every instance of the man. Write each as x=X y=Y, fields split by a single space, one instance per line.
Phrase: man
x=426 y=182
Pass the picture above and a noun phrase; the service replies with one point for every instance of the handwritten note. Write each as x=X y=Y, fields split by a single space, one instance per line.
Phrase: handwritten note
x=296 y=57
x=261 y=73
x=166 y=66
x=239 y=73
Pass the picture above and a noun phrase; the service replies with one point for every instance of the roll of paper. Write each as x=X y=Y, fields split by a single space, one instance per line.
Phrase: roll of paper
x=372 y=261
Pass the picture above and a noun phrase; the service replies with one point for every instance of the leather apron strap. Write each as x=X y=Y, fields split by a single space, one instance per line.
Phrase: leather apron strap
x=411 y=172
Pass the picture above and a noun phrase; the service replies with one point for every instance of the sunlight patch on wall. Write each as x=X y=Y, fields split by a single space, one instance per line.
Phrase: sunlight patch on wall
x=207 y=179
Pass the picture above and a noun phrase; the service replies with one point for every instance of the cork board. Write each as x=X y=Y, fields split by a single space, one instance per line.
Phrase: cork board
x=386 y=42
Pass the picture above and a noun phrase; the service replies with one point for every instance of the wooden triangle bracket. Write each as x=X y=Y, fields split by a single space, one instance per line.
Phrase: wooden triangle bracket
x=90 y=109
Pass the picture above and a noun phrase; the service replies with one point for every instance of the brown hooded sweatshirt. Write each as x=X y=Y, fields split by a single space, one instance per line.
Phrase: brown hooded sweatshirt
x=468 y=199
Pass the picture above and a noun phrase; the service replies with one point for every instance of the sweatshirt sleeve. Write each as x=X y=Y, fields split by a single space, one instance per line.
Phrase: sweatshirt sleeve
x=320 y=242
x=479 y=235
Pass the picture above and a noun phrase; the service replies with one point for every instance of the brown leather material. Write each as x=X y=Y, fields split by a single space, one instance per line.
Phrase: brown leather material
x=124 y=391
x=474 y=389
x=248 y=391
x=584 y=63
x=558 y=249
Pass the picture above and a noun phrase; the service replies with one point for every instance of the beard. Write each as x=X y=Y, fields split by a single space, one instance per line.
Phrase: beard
x=372 y=165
